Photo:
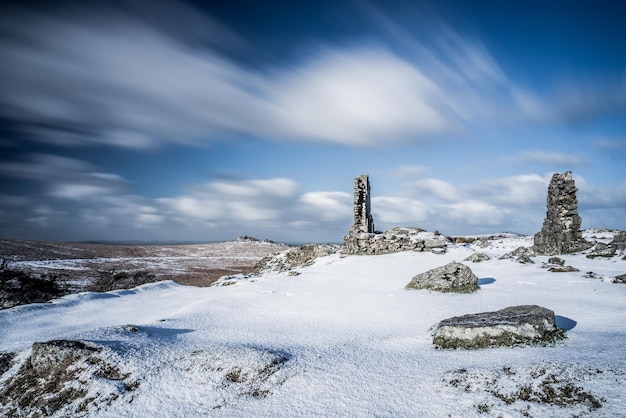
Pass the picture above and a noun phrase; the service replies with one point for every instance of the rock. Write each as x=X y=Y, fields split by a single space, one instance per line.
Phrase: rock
x=6 y=362
x=619 y=242
x=64 y=378
x=302 y=256
x=524 y=259
x=509 y=327
x=560 y=233
x=453 y=277
x=556 y=260
x=562 y=269
x=477 y=257
x=519 y=251
x=620 y=279
x=605 y=251
x=52 y=353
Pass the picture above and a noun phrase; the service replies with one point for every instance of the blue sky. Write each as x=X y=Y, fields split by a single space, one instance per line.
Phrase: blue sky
x=203 y=121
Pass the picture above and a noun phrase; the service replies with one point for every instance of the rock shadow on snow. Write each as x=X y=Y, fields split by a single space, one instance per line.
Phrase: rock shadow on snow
x=565 y=323
x=485 y=280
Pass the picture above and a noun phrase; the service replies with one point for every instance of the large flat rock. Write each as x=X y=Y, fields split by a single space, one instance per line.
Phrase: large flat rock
x=508 y=327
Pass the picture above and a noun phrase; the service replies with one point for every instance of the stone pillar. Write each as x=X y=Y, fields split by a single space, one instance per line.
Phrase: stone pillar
x=363 y=221
x=561 y=232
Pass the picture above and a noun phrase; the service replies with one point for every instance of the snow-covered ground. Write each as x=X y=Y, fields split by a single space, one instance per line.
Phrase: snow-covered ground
x=344 y=338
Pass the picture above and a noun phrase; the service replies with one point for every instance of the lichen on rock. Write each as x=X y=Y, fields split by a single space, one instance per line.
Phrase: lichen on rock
x=453 y=277
x=508 y=327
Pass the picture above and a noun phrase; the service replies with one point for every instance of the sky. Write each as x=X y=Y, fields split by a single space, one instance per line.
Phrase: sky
x=204 y=121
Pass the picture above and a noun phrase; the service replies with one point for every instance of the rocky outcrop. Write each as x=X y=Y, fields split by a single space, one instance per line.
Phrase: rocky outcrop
x=477 y=257
x=63 y=378
x=512 y=326
x=453 y=277
x=6 y=362
x=302 y=256
x=561 y=232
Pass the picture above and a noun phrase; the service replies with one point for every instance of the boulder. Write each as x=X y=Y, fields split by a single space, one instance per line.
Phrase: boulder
x=477 y=257
x=453 y=277
x=53 y=353
x=524 y=259
x=562 y=269
x=513 y=326
x=619 y=242
x=6 y=362
x=556 y=260
x=602 y=251
x=620 y=279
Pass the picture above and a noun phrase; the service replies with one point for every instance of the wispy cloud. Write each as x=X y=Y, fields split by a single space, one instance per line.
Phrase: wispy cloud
x=548 y=158
x=130 y=78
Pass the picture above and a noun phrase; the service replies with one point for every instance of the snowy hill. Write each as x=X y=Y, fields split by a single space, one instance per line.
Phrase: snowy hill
x=341 y=338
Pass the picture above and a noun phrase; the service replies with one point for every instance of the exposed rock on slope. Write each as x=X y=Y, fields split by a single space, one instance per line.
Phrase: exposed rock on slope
x=513 y=326
x=302 y=256
x=453 y=277
x=561 y=232
x=58 y=378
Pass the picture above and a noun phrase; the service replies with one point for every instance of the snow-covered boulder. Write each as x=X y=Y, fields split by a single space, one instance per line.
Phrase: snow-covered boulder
x=512 y=326
x=453 y=277
x=477 y=257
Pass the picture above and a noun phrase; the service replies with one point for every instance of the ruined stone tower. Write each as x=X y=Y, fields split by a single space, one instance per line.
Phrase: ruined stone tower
x=363 y=221
x=561 y=233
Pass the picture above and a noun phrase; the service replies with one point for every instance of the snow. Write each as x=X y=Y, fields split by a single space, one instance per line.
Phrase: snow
x=353 y=340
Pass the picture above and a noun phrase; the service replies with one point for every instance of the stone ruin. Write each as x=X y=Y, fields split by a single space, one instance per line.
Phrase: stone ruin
x=561 y=232
x=363 y=239
x=363 y=221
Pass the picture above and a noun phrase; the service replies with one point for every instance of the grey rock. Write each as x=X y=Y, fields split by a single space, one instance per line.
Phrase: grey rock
x=524 y=259
x=6 y=362
x=520 y=251
x=606 y=252
x=302 y=256
x=52 y=353
x=556 y=260
x=453 y=277
x=620 y=279
x=509 y=327
x=619 y=242
x=562 y=269
x=477 y=257
x=560 y=233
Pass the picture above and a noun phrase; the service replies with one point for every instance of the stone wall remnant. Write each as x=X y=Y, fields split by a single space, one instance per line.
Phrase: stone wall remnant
x=363 y=239
x=561 y=232
x=363 y=221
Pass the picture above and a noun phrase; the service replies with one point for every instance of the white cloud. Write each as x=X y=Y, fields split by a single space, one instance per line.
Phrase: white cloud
x=325 y=206
x=138 y=81
x=548 y=158
x=358 y=97
x=438 y=188
x=77 y=191
x=473 y=212
x=394 y=210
